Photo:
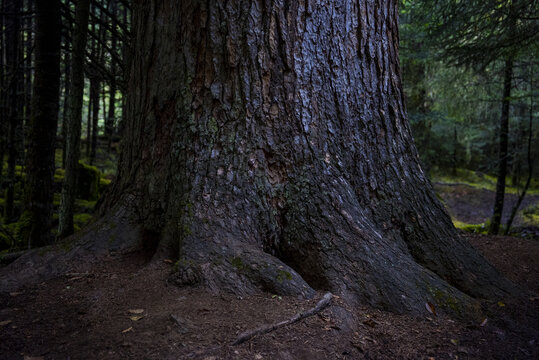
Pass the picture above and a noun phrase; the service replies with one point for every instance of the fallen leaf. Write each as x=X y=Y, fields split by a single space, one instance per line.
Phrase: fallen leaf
x=168 y=261
x=501 y=304
x=3 y=323
x=14 y=293
x=454 y=342
x=127 y=330
x=370 y=322
x=430 y=308
x=135 y=311
x=484 y=322
x=136 y=318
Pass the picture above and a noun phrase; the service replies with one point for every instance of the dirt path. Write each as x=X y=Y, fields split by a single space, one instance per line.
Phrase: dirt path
x=474 y=206
x=86 y=316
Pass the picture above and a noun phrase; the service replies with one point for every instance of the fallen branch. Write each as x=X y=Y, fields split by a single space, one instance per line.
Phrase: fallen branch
x=322 y=304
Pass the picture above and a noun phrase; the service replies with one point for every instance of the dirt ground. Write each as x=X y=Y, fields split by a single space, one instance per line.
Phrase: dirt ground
x=474 y=206
x=125 y=308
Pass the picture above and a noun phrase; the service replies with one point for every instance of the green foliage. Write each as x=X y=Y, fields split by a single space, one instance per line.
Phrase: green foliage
x=477 y=32
x=531 y=215
x=454 y=112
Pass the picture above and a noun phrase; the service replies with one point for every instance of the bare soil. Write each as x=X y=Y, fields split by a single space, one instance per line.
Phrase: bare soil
x=125 y=308
x=474 y=206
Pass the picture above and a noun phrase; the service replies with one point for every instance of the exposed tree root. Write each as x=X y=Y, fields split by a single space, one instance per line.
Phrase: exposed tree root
x=322 y=304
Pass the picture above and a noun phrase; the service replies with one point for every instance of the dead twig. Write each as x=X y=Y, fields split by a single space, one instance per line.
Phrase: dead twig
x=322 y=304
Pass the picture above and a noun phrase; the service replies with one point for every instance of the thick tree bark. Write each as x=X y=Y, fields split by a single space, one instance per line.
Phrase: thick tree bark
x=43 y=123
x=502 y=155
x=65 y=227
x=267 y=144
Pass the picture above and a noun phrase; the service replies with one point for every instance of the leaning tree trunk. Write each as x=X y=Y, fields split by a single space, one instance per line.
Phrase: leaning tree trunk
x=267 y=143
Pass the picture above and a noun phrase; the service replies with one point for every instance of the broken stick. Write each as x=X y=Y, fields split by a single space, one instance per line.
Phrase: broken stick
x=322 y=304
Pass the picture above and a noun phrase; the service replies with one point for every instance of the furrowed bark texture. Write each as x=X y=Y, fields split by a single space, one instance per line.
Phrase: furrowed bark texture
x=267 y=141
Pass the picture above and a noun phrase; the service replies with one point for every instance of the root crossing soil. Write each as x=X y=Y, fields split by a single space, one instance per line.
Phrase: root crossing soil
x=126 y=309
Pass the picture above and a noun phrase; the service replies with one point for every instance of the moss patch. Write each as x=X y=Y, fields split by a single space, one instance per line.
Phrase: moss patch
x=472 y=228
x=480 y=180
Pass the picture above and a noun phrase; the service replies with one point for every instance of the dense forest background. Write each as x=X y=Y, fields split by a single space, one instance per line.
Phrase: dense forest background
x=455 y=64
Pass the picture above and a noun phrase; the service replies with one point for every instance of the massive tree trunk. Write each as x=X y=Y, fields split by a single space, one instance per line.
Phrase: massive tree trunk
x=267 y=145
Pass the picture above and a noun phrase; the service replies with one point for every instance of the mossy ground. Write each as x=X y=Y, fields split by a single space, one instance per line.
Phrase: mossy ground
x=469 y=198
x=480 y=180
x=93 y=182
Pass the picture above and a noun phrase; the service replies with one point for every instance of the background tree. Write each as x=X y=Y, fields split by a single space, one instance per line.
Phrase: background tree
x=476 y=33
x=43 y=123
x=73 y=128
x=12 y=82
x=271 y=150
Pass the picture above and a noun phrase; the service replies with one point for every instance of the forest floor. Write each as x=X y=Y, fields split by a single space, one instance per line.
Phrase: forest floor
x=125 y=308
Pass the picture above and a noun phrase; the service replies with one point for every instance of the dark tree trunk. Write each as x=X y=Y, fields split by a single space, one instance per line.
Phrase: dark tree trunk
x=73 y=130
x=91 y=72
x=3 y=107
x=529 y=157
x=13 y=37
x=65 y=112
x=109 y=122
x=95 y=85
x=455 y=147
x=89 y=122
x=43 y=123
x=267 y=145
x=502 y=156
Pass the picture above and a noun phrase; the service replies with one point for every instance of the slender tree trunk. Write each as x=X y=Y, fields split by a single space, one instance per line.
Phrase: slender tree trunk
x=455 y=147
x=92 y=76
x=109 y=127
x=95 y=86
x=267 y=146
x=3 y=108
x=65 y=112
x=89 y=120
x=65 y=227
x=502 y=157
x=109 y=124
x=43 y=123
x=14 y=117
x=528 y=157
